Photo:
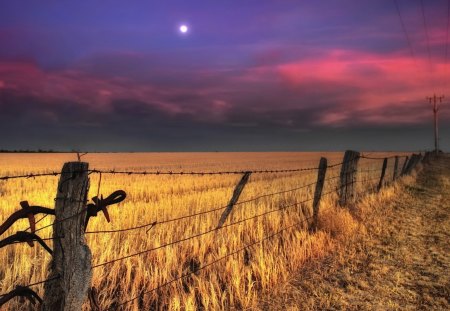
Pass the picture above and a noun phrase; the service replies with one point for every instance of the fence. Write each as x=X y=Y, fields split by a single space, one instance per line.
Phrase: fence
x=70 y=271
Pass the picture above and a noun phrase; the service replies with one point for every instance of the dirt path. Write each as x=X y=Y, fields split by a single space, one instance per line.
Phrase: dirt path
x=402 y=263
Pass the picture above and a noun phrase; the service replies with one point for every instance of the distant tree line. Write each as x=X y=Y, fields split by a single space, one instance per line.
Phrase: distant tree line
x=30 y=151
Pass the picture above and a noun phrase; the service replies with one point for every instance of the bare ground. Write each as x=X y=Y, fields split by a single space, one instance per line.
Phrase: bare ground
x=400 y=262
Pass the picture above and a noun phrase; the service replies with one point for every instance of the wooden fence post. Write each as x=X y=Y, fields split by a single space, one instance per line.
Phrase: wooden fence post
x=383 y=173
x=318 y=192
x=236 y=194
x=395 y=174
x=410 y=163
x=71 y=264
x=347 y=193
x=415 y=158
x=426 y=157
x=418 y=160
x=404 y=166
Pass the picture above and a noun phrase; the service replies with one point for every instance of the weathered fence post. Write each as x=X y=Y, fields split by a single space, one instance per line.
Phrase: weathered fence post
x=426 y=157
x=71 y=264
x=383 y=173
x=415 y=158
x=236 y=194
x=404 y=166
x=348 y=175
x=418 y=160
x=410 y=164
x=395 y=174
x=318 y=192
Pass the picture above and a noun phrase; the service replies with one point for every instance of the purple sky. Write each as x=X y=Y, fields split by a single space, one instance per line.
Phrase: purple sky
x=248 y=75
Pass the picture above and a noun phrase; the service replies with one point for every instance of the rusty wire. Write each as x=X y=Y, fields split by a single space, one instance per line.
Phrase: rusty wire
x=31 y=175
x=241 y=172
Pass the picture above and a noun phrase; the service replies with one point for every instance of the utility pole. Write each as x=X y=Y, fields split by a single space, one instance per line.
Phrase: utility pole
x=434 y=100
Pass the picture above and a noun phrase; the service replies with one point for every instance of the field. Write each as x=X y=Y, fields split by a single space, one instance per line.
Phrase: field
x=235 y=282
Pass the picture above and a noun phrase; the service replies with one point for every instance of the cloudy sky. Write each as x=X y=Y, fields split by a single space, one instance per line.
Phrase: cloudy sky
x=247 y=75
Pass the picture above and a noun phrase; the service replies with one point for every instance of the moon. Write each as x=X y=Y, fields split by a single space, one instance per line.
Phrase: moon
x=184 y=29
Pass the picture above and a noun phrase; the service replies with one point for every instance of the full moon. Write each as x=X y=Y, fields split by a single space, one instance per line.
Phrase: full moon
x=183 y=28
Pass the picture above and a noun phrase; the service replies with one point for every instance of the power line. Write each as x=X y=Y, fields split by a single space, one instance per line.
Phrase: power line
x=405 y=32
x=426 y=33
x=446 y=43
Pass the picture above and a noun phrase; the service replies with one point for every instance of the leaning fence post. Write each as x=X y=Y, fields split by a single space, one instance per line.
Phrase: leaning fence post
x=236 y=193
x=417 y=161
x=318 y=192
x=418 y=158
x=71 y=263
x=347 y=193
x=383 y=173
x=412 y=163
x=395 y=175
x=426 y=157
x=404 y=166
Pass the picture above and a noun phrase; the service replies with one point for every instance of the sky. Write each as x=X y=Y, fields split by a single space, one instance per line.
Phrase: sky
x=246 y=76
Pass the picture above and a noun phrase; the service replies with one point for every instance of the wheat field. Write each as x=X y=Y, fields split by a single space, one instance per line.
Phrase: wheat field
x=236 y=282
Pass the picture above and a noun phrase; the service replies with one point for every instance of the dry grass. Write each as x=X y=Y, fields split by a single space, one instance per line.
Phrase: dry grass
x=234 y=283
x=397 y=259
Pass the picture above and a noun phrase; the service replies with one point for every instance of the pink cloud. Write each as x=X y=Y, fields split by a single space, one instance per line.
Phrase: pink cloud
x=339 y=87
x=380 y=82
x=96 y=93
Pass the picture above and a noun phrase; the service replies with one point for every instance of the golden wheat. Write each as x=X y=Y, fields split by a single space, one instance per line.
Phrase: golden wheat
x=235 y=282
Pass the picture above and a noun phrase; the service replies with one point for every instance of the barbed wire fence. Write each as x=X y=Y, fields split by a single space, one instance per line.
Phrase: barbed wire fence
x=71 y=256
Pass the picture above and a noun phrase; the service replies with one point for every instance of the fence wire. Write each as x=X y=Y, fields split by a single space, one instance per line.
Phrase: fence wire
x=198 y=173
